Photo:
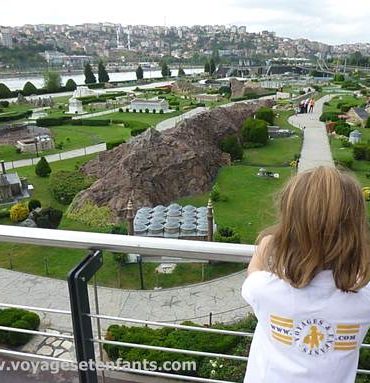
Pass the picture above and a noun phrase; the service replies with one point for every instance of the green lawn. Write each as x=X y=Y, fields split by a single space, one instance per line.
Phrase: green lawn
x=344 y=99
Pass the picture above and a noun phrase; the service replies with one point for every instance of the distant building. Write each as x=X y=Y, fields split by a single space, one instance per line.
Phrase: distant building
x=36 y=144
x=75 y=106
x=358 y=116
x=157 y=105
x=6 y=38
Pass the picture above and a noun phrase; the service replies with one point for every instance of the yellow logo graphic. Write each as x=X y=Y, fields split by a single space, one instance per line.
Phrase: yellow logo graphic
x=313 y=338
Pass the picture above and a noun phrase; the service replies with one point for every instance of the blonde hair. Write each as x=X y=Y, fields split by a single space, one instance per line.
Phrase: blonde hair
x=322 y=225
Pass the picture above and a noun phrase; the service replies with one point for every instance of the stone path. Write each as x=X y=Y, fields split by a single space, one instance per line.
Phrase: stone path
x=221 y=297
x=59 y=156
x=316 y=149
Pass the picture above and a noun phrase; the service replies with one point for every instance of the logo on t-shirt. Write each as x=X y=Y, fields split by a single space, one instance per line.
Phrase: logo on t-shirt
x=314 y=336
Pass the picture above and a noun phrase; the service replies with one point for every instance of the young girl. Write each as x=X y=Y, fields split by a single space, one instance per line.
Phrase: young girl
x=308 y=284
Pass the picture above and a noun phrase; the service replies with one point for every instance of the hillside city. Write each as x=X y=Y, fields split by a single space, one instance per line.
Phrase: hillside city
x=116 y=42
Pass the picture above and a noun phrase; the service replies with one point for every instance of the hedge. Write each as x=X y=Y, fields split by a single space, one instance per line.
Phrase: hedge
x=329 y=116
x=232 y=146
x=53 y=121
x=17 y=318
x=255 y=131
x=13 y=116
x=265 y=114
x=361 y=152
x=137 y=131
x=88 y=122
x=113 y=144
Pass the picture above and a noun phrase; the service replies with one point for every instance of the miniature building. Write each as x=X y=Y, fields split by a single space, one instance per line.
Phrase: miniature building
x=173 y=221
x=75 y=106
x=37 y=144
x=83 y=91
x=12 y=188
x=204 y=97
x=355 y=137
x=157 y=105
x=358 y=116
x=276 y=132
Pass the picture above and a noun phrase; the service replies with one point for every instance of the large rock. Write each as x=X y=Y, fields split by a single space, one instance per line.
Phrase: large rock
x=157 y=168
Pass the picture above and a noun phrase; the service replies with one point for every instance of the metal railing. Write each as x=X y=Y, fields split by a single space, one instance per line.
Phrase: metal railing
x=147 y=247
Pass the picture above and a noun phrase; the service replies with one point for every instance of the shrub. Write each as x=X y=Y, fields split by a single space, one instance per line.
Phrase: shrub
x=134 y=110
x=119 y=229
x=18 y=212
x=70 y=85
x=66 y=184
x=33 y=204
x=227 y=234
x=361 y=152
x=29 y=89
x=113 y=144
x=215 y=193
x=161 y=111
x=53 y=121
x=13 y=116
x=17 y=318
x=154 y=111
x=49 y=218
x=4 y=104
x=127 y=110
x=232 y=146
x=140 y=111
x=368 y=123
x=120 y=110
x=265 y=114
x=329 y=116
x=346 y=162
x=4 y=213
x=146 y=110
x=254 y=130
x=343 y=129
x=137 y=131
x=5 y=92
x=43 y=168
x=91 y=215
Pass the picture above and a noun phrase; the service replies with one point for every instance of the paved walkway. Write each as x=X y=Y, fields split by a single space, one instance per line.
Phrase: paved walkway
x=194 y=302
x=171 y=122
x=59 y=156
x=316 y=149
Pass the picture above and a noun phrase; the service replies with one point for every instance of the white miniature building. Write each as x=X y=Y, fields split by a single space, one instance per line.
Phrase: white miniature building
x=83 y=91
x=36 y=144
x=75 y=106
x=141 y=103
x=355 y=137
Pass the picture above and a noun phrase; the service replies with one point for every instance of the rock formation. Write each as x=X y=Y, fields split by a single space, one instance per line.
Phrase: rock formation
x=159 y=167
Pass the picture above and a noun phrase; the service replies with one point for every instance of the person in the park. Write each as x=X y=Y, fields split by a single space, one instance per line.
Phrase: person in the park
x=308 y=283
x=311 y=105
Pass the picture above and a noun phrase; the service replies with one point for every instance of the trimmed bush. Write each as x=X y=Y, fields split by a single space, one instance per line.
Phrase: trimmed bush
x=19 y=212
x=4 y=104
x=343 y=129
x=49 y=218
x=90 y=122
x=29 y=89
x=361 y=152
x=17 y=318
x=227 y=234
x=154 y=111
x=113 y=144
x=232 y=146
x=33 y=204
x=91 y=215
x=137 y=131
x=265 y=114
x=53 y=121
x=255 y=131
x=4 y=213
x=43 y=168
x=329 y=116
x=368 y=123
x=5 y=92
x=66 y=184
x=70 y=85
x=13 y=116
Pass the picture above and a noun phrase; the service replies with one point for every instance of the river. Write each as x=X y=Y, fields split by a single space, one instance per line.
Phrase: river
x=14 y=83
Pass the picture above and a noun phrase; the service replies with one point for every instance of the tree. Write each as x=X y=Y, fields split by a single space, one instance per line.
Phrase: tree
x=29 y=89
x=212 y=66
x=266 y=114
x=166 y=72
x=43 y=168
x=52 y=81
x=89 y=75
x=181 y=72
x=206 y=67
x=339 y=77
x=5 y=92
x=103 y=75
x=71 y=85
x=49 y=218
x=139 y=73
x=232 y=146
x=368 y=123
x=254 y=131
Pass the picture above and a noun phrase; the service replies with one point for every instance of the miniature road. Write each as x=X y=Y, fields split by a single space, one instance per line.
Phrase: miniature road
x=316 y=149
x=171 y=122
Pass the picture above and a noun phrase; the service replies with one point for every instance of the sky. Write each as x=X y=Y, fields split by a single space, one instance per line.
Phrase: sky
x=328 y=21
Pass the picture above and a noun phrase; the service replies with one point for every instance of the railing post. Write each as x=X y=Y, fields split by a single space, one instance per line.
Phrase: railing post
x=80 y=306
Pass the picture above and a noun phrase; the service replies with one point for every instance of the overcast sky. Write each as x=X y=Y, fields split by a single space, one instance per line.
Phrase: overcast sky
x=329 y=21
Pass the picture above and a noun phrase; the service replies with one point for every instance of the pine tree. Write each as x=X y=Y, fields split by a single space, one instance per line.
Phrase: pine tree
x=43 y=168
x=206 y=67
x=29 y=89
x=212 y=66
x=139 y=73
x=89 y=75
x=71 y=85
x=5 y=92
x=181 y=72
x=103 y=75
x=166 y=72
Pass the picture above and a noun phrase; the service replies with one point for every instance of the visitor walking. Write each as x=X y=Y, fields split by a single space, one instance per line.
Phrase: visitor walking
x=308 y=283
x=311 y=105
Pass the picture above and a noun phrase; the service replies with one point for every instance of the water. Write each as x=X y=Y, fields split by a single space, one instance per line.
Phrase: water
x=15 y=83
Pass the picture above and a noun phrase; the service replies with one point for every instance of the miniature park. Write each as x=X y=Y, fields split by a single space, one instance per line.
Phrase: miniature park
x=230 y=139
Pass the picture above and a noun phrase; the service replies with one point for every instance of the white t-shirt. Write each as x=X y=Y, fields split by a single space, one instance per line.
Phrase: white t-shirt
x=307 y=335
